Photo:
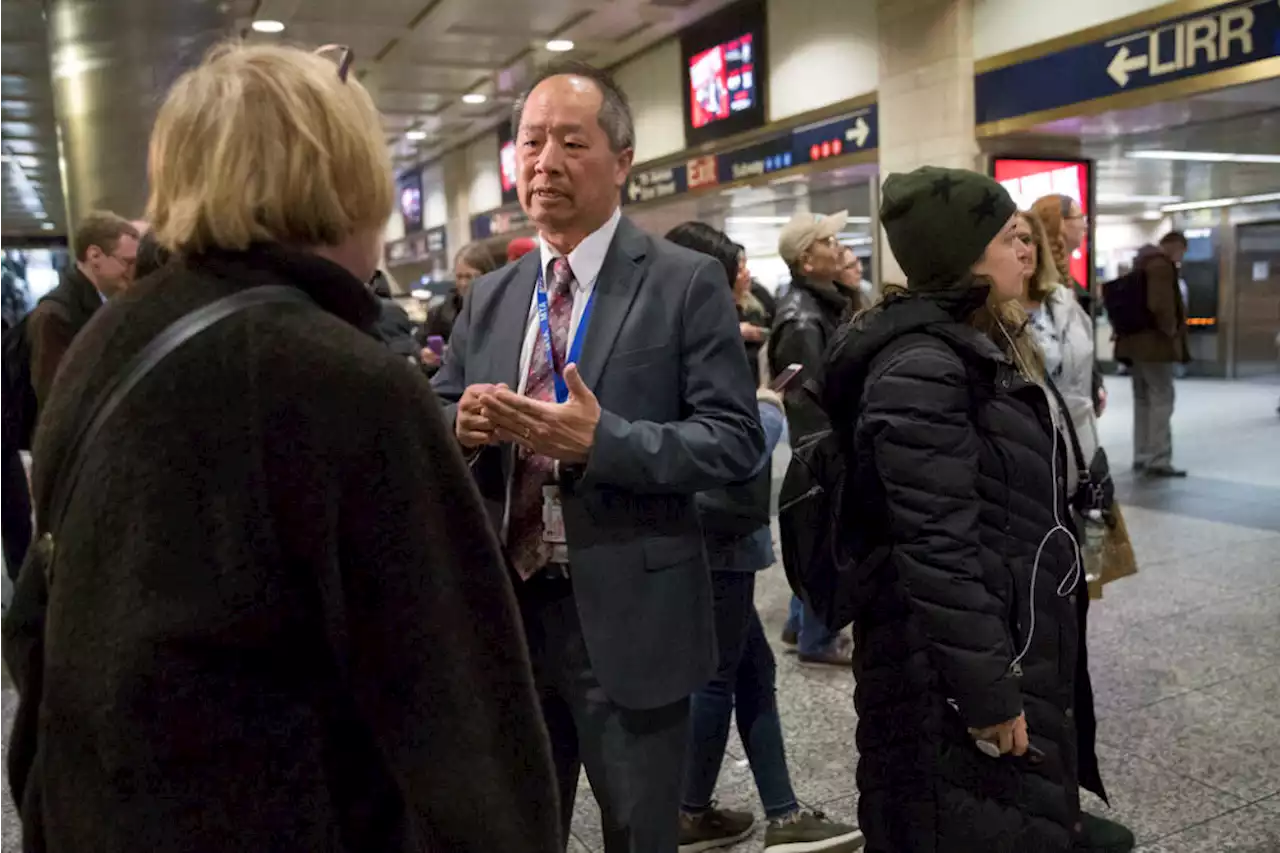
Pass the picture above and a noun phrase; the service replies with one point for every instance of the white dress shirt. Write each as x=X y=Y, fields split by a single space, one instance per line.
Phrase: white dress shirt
x=585 y=261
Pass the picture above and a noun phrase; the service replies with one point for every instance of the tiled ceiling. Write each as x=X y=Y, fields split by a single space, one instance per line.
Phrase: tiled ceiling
x=419 y=57
x=33 y=203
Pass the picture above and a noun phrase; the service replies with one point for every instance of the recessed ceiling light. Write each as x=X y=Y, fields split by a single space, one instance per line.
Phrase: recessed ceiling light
x=48 y=226
x=1262 y=198
x=1203 y=156
x=560 y=45
x=473 y=98
x=1152 y=215
x=268 y=26
x=416 y=135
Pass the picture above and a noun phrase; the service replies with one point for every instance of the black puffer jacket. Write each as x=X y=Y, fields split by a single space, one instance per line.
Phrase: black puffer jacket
x=951 y=492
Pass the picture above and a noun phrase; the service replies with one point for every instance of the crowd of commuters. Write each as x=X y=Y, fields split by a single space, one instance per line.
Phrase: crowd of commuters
x=310 y=603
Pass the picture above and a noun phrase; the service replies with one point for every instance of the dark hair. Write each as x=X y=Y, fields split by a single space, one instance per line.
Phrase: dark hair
x=615 y=111
x=151 y=255
x=479 y=256
x=701 y=237
x=1174 y=237
x=103 y=229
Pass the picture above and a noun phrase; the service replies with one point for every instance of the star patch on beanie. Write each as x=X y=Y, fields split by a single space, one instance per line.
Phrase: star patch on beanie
x=939 y=222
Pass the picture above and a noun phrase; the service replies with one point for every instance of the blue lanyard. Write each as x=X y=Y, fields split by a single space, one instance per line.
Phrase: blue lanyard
x=575 y=349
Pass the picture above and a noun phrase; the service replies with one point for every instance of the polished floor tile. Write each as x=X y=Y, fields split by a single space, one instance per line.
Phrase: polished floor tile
x=1251 y=829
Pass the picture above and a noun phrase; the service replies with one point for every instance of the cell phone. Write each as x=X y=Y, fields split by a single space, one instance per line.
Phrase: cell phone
x=783 y=379
x=435 y=343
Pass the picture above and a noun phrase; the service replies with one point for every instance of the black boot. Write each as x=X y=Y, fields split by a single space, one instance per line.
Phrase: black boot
x=1099 y=835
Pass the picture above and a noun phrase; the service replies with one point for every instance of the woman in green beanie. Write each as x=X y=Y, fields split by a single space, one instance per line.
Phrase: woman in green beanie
x=975 y=714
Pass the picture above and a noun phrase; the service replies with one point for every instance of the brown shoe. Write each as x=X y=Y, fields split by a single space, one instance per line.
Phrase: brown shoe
x=838 y=653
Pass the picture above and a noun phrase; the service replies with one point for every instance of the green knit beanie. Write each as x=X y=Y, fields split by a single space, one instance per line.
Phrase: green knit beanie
x=939 y=222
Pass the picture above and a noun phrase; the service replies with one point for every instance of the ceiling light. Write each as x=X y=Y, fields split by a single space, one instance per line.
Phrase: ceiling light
x=421 y=294
x=5 y=158
x=560 y=45
x=48 y=226
x=1125 y=198
x=1262 y=198
x=474 y=98
x=416 y=135
x=268 y=26
x=1152 y=215
x=1203 y=156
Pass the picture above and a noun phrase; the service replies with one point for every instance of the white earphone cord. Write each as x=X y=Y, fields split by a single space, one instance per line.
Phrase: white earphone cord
x=1068 y=583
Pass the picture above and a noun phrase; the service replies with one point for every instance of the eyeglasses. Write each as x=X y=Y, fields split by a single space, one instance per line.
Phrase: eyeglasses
x=345 y=57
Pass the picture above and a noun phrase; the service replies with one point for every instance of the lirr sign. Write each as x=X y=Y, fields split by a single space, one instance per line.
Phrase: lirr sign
x=1226 y=36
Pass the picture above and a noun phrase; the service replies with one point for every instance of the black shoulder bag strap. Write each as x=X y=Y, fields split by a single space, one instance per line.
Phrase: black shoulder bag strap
x=173 y=336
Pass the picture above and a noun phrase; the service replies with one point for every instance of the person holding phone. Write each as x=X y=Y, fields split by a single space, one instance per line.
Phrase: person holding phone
x=739 y=543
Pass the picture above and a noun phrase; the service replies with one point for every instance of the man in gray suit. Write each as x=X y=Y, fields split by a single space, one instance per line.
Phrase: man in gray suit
x=599 y=383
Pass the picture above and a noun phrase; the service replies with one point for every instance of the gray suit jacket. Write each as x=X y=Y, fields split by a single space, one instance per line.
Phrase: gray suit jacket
x=664 y=356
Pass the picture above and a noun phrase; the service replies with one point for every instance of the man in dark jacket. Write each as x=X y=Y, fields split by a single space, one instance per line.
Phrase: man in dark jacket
x=1151 y=355
x=106 y=247
x=806 y=319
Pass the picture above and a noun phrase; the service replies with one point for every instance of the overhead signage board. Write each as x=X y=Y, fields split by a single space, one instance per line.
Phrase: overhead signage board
x=1226 y=36
x=847 y=134
x=495 y=223
x=657 y=183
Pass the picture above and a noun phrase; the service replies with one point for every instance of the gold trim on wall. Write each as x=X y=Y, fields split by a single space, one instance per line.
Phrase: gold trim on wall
x=1137 y=21
x=1263 y=69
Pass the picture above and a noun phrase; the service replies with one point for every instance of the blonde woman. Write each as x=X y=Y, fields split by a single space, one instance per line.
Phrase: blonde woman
x=1061 y=328
x=277 y=618
x=1065 y=227
x=972 y=695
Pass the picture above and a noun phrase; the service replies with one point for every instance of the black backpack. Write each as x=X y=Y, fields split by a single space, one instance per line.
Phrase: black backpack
x=20 y=404
x=1125 y=299
x=819 y=565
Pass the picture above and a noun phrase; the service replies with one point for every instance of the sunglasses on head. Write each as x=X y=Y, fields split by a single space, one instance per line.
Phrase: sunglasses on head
x=345 y=57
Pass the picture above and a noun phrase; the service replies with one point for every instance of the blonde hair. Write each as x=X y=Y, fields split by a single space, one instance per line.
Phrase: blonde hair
x=1045 y=277
x=266 y=143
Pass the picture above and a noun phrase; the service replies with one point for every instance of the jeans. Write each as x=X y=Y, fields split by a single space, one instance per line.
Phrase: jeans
x=814 y=637
x=745 y=682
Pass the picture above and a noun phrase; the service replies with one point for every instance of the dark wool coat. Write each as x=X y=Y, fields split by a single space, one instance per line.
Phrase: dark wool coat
x=951 y=492
x=278 y=618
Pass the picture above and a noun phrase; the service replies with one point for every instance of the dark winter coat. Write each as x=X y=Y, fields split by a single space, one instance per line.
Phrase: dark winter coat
x=952 y=491
x=806 y=321
x=1166 y=341
x=278 y=618
x=54 y=324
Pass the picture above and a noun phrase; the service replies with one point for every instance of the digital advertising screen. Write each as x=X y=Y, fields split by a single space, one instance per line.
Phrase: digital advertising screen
x=508 y=170
x=409 y=194
x=1028 y=179
x=724 y=69
x=722 y=82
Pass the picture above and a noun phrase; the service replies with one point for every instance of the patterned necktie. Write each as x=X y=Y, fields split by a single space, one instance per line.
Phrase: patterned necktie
x=529 y=553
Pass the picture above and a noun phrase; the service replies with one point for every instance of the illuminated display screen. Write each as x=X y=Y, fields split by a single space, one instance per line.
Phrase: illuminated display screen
x=409 y=191
x=723 y=58
x=1029 y=180
x=722 y=81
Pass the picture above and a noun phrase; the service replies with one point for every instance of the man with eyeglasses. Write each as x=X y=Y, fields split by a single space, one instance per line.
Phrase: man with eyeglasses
x=106 y=247
x=820 y=297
